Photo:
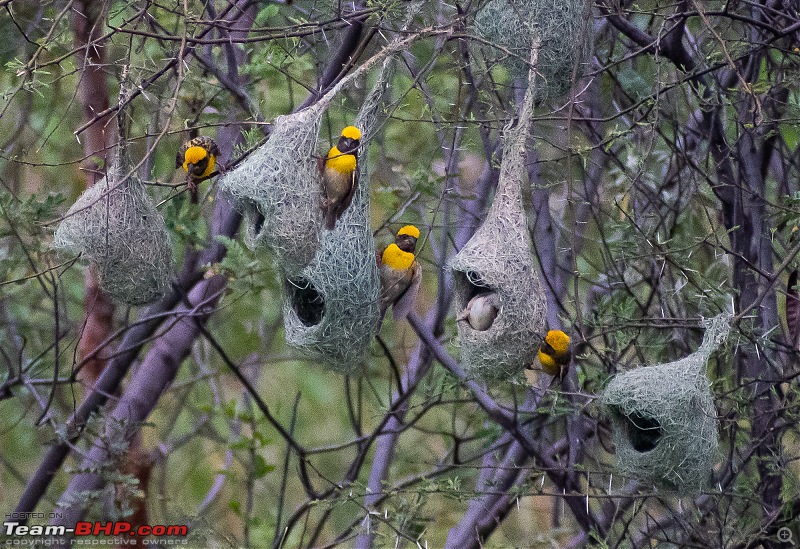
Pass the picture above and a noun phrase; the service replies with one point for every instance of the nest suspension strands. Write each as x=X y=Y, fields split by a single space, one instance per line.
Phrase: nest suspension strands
x=664 y=419
x=331 y=308
x=563 y=27
x=494 y=271
x=115 y=225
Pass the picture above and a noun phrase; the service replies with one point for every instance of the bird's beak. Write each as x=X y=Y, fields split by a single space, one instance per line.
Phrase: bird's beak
x=190 y=168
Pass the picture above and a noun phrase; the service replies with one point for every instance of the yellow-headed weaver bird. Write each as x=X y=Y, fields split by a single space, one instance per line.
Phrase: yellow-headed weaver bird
x=554 y=352
x=340 y=175
x=198 y=158
x=481 y=311
x=552 y=358
x=400 y=273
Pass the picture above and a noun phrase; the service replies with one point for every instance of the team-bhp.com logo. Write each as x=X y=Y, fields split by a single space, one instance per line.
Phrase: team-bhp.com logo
x=15 y=530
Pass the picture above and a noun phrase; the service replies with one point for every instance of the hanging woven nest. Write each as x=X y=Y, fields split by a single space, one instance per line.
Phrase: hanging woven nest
x=495 y=268
x=664 y=419
x=331 y=309
x=563 y=26
x=278 y=187
x=115 y=226
x=278 y=190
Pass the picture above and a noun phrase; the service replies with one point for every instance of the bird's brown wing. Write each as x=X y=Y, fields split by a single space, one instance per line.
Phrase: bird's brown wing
x=351 y=193
x=179 y=156
x=405 y=303
x=537 y=377
x=344 y=203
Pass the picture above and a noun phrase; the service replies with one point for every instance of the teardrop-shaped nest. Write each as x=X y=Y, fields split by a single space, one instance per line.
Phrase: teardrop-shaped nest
x=564 y=30
x=331 y=308
x=278 y=189
x=664 y=419
x=115 y=226
x=498 y=259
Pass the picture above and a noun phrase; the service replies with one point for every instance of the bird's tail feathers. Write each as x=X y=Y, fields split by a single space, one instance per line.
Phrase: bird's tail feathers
x=330 y=218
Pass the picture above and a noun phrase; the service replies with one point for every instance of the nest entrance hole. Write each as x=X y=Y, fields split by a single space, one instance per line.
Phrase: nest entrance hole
x=469 y=284
x=306 y=300
x=643 y=432
x=255 y=218
x=258 y=222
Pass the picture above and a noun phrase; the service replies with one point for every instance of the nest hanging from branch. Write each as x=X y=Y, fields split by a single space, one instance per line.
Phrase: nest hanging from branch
x=331 y=308
x=115 y=226
x=664 y=419
x=496 y=264
x=562 y=26
x=278 y=187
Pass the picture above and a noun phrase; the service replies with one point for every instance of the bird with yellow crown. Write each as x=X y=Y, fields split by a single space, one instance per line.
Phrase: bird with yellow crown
x=552 y=358
x=339 y=171
x=198 y=158
x=400 y=273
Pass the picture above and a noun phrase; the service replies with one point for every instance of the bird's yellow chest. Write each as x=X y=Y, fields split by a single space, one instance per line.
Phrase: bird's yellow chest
x=548 y=363
x=396 y=258
x=342 y=163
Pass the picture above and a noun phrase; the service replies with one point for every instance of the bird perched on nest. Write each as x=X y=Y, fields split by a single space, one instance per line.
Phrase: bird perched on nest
x=198 y=158
x=400 y=273
x=481 y=311
x=340 y=175
x=552 y=358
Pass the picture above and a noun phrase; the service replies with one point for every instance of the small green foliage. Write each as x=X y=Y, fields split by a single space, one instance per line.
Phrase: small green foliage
x=260 y=467
x=184 y=219
x=24 y=216
x=489 y=434
x=453 y=488
x=265 y=14
x=247 y=270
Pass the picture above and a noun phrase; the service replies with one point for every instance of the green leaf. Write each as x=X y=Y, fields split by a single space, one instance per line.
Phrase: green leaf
x=260 y=467
x=790 y=136
x=266 y=14
x=235 y=506
x=241 y=443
